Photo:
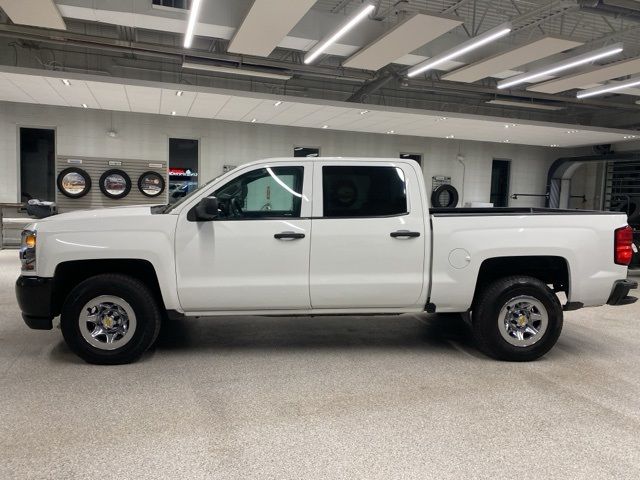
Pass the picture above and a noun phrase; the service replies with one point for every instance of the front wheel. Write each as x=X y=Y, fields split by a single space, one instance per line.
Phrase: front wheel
x=110 y=319
x=517 y=319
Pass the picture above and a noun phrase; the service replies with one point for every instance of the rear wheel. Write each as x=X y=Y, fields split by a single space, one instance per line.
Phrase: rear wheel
x=517 y=318
x=110 y=319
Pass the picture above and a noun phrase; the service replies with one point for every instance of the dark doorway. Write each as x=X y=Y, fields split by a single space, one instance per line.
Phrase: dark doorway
x=37 y=164
x=412 y=156
x=183 y=167
x=500 y=173
x=306 y=152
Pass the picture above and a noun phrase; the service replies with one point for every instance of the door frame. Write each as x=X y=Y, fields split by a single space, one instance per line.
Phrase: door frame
x=19 y=160
x=508 y=189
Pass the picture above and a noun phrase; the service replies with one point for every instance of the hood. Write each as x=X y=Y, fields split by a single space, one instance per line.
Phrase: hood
x=91 y=215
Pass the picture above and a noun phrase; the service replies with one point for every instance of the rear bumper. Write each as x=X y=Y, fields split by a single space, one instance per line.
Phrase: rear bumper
x=35 y=298
x=620 y=292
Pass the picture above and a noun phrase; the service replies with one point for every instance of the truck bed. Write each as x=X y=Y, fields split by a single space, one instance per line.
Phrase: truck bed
x=491 y=211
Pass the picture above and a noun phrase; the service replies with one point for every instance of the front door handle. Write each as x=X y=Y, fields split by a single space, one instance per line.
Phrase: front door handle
x=404 y=234
x=288 y=235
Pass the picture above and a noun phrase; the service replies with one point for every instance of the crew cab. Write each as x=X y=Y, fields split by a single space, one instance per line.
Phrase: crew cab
x=320 y=236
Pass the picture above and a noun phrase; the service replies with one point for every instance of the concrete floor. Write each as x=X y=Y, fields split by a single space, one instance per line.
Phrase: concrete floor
x=300 y=398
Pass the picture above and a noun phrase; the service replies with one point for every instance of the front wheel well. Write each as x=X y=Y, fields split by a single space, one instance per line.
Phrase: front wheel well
x=551 y=270
x=69 y=274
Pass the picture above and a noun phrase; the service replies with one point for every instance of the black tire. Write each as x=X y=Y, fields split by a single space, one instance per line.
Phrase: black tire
x=486 y=312
x=439 y=193
x=125 y=177
x=79 y=171
x=136 y=294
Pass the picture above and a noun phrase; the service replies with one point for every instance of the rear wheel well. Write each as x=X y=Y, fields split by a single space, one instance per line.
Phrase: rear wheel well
x=70 y=274
x=549 y=269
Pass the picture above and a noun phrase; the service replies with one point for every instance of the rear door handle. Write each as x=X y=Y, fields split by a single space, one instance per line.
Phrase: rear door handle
x=288 y=235
x=405 y=234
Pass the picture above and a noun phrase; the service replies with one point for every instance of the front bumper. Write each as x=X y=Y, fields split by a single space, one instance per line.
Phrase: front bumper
x=35 y=298
x=620 y=292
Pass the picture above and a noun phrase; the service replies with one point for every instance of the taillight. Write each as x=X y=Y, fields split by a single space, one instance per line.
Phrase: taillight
x=623 y=245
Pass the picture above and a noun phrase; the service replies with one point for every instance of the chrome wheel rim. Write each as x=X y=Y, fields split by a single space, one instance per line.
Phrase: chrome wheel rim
x=107 y=322
x=523 y=321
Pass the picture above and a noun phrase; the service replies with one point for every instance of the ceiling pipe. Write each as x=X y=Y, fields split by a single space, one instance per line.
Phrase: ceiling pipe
x=613 y=8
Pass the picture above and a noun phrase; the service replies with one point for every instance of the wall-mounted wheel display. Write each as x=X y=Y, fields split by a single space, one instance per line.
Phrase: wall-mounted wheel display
x=444 y=196
x=73 y=182
x=115 y=184
x=151 y=184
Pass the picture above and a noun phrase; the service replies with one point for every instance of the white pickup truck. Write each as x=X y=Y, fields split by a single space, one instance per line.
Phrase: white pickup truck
x=318 y=236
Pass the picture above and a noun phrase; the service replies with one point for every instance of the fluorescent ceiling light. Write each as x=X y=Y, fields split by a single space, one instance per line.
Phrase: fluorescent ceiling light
x=323 y=44
x=573 y=62
x=465 y=47
x=179 y=93
x=235 y=71
x=84 y=105
x=535 y=106
x=633 y=82
x=191 y=26
x=511 y=59
x=593 y=77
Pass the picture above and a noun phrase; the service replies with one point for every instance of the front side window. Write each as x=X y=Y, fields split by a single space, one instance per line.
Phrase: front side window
x=354 y=191
x=269 y=192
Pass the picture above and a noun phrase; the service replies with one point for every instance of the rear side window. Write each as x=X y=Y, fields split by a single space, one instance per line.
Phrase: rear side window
x=352 y=191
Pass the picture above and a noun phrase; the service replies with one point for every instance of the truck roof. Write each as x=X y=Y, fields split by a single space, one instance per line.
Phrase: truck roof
x=331 y=159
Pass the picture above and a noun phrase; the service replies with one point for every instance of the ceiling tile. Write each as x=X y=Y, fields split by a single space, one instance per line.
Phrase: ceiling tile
x=408 y=35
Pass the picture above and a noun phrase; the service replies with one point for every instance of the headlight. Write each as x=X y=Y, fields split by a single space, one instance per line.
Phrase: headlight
x=28 y=250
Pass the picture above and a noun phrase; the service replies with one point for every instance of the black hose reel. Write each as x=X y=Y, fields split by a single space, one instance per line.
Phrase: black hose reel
x=444 y=196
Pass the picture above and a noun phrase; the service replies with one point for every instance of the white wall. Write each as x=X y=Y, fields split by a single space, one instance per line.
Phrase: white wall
x=82 y=132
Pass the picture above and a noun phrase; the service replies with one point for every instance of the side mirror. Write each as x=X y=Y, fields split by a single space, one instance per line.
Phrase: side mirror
x=207 y=209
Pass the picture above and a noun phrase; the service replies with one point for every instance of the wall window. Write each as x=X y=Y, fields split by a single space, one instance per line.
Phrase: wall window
x=306 y=152
x=183 y=167
x=183 y=4
x=37 y=164
x=353 y=191
x=263 y=193
x=500 y=173
x=412 y=156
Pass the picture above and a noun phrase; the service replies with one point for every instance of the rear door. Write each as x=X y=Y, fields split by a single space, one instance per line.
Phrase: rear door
x=368 y=243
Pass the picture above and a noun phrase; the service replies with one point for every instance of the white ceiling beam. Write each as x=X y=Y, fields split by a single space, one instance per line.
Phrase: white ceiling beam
x=408 y=35
x=37 y=13
x=266 y=24
x=516 y=57
x=597 y=75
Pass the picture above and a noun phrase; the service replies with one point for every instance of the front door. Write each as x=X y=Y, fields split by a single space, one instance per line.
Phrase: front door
x=255 y=256
x=368 y=245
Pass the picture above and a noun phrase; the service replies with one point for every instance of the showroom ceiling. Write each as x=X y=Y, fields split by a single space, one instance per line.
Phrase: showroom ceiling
x=93 y=92
x=271 y=47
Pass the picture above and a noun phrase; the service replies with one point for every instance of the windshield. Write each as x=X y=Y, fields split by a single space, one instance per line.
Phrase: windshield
x=172 y=206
